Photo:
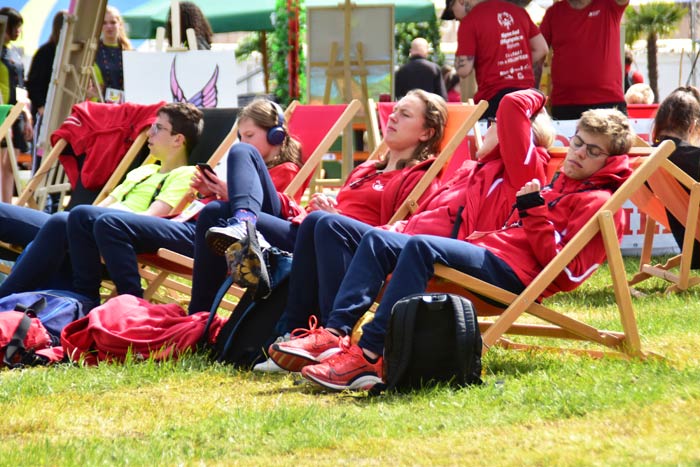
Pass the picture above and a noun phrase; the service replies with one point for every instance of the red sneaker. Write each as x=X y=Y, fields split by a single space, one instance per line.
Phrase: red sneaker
x=347 y=369
x=306 y=347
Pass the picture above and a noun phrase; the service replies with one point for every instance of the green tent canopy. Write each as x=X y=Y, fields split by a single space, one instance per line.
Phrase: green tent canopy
x=255 y=15
x=223 y=16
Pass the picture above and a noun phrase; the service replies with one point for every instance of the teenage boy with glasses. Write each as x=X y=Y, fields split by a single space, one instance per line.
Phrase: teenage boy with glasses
x=545 y=219
x=151 y=189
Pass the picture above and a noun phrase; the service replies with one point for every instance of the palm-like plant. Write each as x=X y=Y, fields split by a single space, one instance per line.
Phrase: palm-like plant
x=653 y=20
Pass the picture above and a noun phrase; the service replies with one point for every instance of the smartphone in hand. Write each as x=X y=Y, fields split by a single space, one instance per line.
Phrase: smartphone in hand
x=206 y=170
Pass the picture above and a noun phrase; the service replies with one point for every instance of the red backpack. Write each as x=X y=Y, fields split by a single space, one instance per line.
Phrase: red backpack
x=127 y=324
x=22 y=335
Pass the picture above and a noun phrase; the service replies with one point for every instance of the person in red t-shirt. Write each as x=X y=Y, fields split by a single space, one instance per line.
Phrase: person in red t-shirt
x=498 y=40
x=585 y=77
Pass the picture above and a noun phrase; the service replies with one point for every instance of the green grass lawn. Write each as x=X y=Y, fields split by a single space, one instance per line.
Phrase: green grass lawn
x=535 y=408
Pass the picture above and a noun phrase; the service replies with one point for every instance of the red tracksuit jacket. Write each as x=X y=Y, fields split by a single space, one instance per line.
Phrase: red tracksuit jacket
x=530 y=243
x=486 y=188
x=103 y=132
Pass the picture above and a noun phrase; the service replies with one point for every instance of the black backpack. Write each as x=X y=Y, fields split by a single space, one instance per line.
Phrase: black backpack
x=244 y=338
x=432 y=338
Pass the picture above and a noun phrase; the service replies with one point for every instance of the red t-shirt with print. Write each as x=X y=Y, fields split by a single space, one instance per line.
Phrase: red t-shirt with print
x=497 y=34
x=586 y=60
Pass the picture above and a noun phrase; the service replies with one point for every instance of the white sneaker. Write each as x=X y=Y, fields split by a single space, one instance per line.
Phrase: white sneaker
x=269 y=366
x=220 y=238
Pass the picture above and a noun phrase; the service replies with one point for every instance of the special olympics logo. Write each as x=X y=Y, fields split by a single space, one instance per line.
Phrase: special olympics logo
x=505 y=20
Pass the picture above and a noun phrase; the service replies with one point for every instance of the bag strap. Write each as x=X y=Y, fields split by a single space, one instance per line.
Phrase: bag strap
x=16 y=344
x=474 y=341
x=405 y=332
x=458 y=223
x=462 y=336
x=214 y=306
x=35 y=307
x=229 y=340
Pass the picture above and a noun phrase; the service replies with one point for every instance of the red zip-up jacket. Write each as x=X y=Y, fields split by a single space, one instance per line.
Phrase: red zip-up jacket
x=353 y=196
x=486 y=188
x=531 y=242
x=103 y=132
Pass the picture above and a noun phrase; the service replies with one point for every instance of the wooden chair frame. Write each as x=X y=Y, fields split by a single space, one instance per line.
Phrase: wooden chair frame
x=156 y=269
x=675 y=190
x=10 y=119
x=461 y=118
x=171 y=263
x=626 y=343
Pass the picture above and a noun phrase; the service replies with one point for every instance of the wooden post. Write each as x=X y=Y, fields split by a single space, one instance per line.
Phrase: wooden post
x=265 y=66
x=175 y=40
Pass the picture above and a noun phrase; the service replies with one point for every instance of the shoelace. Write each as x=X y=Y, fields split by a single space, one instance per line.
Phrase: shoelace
x=299 y=333
x=345 y=345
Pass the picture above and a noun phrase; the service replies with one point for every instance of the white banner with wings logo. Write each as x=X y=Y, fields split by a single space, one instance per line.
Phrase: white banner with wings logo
x=203 y=77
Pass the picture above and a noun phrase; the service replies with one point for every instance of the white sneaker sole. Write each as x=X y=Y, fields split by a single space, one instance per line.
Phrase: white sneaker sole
x=269 y=366
x=363 y=382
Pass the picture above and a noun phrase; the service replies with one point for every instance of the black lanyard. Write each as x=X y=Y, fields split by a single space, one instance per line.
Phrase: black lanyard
x=156 y=192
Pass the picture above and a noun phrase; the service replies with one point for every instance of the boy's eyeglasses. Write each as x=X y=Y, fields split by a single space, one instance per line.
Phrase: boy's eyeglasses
x=156 y=127
x=592 y=150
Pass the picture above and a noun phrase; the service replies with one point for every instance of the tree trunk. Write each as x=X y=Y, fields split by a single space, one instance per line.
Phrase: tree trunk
x=652 y=65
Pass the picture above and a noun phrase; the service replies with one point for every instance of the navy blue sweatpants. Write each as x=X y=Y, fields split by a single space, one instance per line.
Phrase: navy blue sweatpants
x=411 y=261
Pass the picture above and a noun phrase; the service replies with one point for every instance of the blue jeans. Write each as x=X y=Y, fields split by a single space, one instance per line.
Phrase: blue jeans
x=250 y=187
x=117 y=237
x=44 y=263
x=324 y=247
x=411 y=259
x=19 y=225
x=279 y=232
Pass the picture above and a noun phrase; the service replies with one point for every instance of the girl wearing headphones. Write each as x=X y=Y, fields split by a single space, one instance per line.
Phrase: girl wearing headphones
x=267 y=160
x=371 y=194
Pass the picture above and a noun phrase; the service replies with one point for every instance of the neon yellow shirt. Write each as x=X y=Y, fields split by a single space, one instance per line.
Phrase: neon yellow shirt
x=137 y=190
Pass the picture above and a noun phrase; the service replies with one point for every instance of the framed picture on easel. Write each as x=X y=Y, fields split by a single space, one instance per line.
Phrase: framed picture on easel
x=356 y=62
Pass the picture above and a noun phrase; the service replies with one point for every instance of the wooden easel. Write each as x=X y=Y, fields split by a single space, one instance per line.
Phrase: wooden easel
x=72 y=70
x=342 y=74
x=175 y=42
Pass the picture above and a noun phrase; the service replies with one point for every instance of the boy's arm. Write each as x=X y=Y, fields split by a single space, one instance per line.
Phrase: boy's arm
x=175 y=186
x=158 y=208
x=521 y=160
x=109 y=200
x=464 y=65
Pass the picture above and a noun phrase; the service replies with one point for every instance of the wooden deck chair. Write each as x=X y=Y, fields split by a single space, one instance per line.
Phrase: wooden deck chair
x=220 y=132
x=559 y=325
x=50 y=177
x=461 y=118
x=364 y=120
x=9 y=115
x=674 y=190
x=465 y=151
x=316 y=127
